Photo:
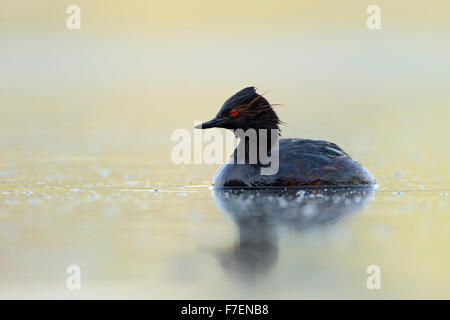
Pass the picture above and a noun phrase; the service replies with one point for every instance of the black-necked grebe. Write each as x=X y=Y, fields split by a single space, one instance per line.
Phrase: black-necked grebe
x=302 y=162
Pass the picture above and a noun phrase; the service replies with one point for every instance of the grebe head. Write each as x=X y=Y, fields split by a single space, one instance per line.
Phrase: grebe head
x=246 y=109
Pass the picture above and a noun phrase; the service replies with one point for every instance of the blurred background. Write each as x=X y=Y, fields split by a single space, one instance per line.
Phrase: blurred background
x=86 y=118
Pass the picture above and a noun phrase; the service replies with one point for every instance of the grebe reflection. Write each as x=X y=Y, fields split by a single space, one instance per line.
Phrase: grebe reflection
x=261 y=214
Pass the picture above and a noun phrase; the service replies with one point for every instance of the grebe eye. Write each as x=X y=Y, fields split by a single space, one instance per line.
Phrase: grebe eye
x=233 y=112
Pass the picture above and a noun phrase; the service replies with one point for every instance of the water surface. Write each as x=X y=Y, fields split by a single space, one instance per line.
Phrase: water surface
x=86 y=176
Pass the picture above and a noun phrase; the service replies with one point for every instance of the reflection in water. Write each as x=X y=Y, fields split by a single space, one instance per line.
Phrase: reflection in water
x=261 y=214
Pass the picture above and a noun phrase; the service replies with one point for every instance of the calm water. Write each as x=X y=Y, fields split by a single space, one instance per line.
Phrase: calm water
x=105 y=196
x=86 y=176
x=137 y=237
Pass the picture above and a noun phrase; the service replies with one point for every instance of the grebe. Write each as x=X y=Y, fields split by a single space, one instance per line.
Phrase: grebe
x=301 y=162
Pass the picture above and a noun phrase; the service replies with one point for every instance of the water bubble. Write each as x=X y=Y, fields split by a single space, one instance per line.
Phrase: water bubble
x=182 y=194
x=398 y=193
x=104 y=173
x=397 y=174
x=421 y=186
x=155 y=190
x=75 y=190
x=444 y=194
x=300 y=193
x=128 y=176
x=319 y=195
x=28 y=192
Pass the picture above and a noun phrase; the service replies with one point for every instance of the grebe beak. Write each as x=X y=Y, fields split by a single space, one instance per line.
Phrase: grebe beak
x=214 y=123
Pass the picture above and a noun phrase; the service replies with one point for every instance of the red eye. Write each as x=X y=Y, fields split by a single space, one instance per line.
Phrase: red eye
x=233 y=112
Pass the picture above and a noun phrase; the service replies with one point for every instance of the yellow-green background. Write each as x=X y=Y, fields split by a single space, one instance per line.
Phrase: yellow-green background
x=93 y=109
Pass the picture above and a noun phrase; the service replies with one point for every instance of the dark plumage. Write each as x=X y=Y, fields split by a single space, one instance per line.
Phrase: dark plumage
x=302 y=162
